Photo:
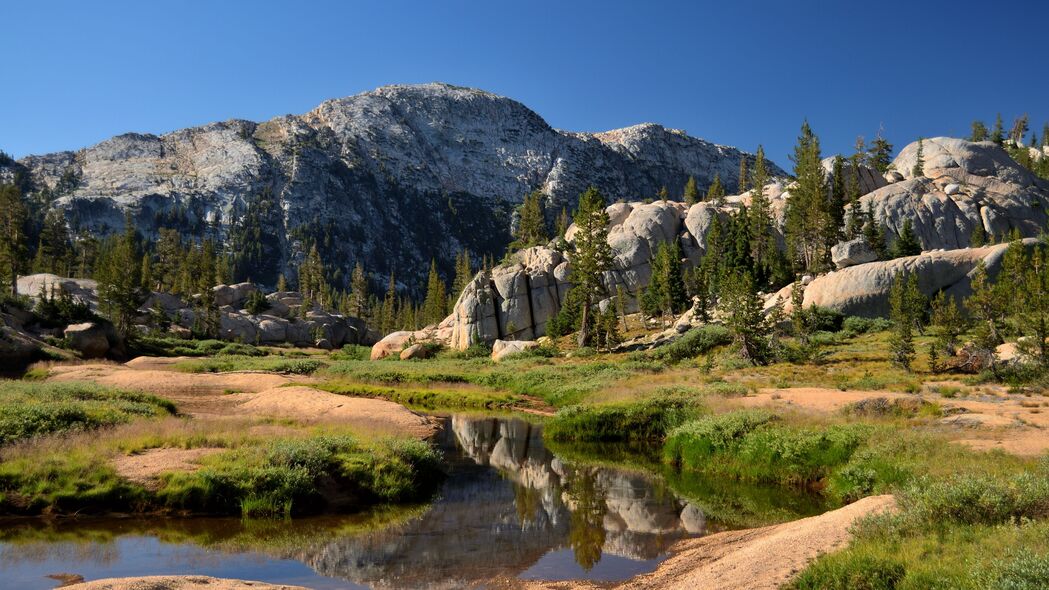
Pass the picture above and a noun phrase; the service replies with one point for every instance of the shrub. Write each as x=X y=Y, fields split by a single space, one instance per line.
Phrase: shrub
x=855 y=325
x=822 y=319
x=30 y=409
x=693 y=343
x=351 y=352
x=644 y=420
x=256 y=303
x=855 y=572
x=1022 y=570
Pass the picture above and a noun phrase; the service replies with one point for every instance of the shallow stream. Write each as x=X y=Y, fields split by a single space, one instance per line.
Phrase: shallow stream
x=511 y=508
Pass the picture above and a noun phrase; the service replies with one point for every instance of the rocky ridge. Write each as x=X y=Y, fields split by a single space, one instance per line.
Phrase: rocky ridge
x=390 y=178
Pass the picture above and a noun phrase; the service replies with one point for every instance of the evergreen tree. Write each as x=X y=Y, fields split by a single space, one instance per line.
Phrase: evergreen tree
x=986 y=307
x=12 y=235
x=1029 y=289
x=807 y=217
x=663 y=195
x=388 y=315
x=282 y=283
x=998 y=134
x=919 y=160
x=907 y=244
x=691 y=193
x=947 y=323
x=593 y=255
x=54 y=252
x=607 y=329
x=716 y=192
x=979 y=131
x=1045 y=137
x=901 y=343
x=119 y=284
x=838 y=197
x=463 y=273
x=745 y=319
x=312 y=283
x=255 y=252
x=880 y=155
x=798 y=318
x=358 y=300
x=667 y=285
x=762 y=248
x=531 y=226
x=1019 y=130
x=435 y=306
x=744 y=176
x=978 y=237
x=872 y=232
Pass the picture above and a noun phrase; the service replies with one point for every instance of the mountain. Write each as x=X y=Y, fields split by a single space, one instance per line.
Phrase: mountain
x=390 y=178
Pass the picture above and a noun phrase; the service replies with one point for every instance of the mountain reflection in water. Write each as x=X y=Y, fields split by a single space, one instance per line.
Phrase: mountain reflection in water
x=509 y=509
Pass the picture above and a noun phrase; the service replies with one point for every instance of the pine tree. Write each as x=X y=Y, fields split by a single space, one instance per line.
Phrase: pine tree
x=907 y=244
x=998 y=134
x=691 y=193
x=12 y=235
x=663 y=195
x=798 y=318
x=880 y=155
x=901 y=343
x=1045 y=137
x=838 y=197
x=667 y=285
x=979 y=131
x=1024 y=284
x=745 y=319
x=54 y=251
x=593 y=256
x=716 y=192
x=978 y=237
x=986 y=307
x=1019 y=130
x=919 y=159
x=282 y=283
x=947 y=323
x=358 y=301
x=312 y=283
x=463 y=273
x=531 y=226
x=872 y=232
x=807 y=217
x=435 y=306
x=388 y=317
x=744 y=176
x=119 y=283
x=762 y=247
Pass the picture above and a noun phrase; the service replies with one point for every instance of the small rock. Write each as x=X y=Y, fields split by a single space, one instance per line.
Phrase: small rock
x=416 y=351
x=851 y=253
x=952 y=189
x=323 y=344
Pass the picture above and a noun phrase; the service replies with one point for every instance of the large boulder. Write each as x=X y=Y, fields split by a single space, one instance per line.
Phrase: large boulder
x=863 y=290
x=416 y=351
x=89 y=339
x=851 y=253
x=45 y=284
x=392 y=343
x=867 y=177
x=504 y=348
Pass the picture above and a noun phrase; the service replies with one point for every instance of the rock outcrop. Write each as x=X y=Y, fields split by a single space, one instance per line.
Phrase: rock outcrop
x=505 y=348
x=436 y=165
x=962 y=184
x=863 y=290
x=283 y=321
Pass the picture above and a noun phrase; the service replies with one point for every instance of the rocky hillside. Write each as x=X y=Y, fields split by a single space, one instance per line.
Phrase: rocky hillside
x=962 y=185
x=390 y=177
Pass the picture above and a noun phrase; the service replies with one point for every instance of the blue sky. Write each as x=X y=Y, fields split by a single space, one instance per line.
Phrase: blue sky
x=735 y=72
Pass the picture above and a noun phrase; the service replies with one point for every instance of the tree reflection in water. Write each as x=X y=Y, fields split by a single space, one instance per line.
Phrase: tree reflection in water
x=586 y=530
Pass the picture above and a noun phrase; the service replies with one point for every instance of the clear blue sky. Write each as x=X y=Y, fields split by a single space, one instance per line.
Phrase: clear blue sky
x=735 y=72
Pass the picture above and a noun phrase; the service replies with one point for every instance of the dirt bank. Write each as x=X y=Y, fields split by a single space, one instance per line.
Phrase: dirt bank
x=177 y=583
x=754 y=559
x=143 y=468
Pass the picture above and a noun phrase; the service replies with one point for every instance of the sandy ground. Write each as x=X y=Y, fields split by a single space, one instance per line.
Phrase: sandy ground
x=754 y=559
x=177 y=583
x=1013 y=423
x=143 y=468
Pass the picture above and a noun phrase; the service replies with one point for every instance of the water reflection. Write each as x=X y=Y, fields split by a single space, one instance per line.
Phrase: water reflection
x=509 y=509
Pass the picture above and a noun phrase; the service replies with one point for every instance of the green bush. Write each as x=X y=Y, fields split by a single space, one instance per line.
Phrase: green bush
x=858 y=572
x=690 y=345
x=644 y=420
x=32 y=408
x=822 y=319
x=855 y=325
x=1022 y=570
x=751 y=446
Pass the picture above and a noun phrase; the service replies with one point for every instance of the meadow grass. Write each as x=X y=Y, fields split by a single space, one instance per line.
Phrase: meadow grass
x=34 y=408
x=643 y=420
x=432 y=398
x=274 y=364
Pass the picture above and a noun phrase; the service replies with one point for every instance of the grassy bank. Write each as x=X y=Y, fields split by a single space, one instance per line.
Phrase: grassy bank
x=645 y=420
x=431 y=398
x=256 y=469
x=31 y=408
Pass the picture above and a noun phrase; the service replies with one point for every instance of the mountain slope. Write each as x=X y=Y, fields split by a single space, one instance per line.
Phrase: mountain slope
x=390 y=178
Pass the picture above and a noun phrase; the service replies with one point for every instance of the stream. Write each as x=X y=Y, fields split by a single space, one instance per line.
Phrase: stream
x=512 y=508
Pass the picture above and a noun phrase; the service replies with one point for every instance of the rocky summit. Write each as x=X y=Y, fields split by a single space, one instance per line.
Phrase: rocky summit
x=390 y=178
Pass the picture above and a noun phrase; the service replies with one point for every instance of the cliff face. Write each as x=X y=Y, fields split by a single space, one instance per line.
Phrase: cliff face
x=391 y=178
